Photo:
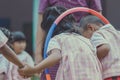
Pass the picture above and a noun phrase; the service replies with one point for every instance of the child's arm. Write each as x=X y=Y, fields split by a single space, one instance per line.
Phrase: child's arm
x=101 y=45
x=10 y=55
x=102 y=51
x=51 y=60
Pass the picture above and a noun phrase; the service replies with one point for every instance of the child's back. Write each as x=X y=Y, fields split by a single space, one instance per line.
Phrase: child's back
x=78 y=58
x=111 y=63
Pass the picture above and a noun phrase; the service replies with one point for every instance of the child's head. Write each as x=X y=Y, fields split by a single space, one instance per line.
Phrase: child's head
x=18 y=42
x=50 y=16
x=90 y=24
x=7 y=34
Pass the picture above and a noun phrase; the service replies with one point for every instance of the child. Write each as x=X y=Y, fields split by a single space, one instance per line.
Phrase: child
x=19 y=45
x=4 y=62
x=5 y=49
x=107 y=41
x=74 y=52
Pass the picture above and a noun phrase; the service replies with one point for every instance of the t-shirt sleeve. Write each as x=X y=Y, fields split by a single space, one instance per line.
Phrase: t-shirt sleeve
x=30 y=60
x=53 y=44
x=97 y=39
x=43 y=4
x=3 y=39
x=95 y=4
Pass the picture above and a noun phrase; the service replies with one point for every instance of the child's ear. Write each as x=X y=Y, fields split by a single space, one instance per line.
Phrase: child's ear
x=90 y=27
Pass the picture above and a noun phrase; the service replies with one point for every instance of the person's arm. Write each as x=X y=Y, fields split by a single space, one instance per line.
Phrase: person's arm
x=39 y=41
x=101 y=45
x=51 y=60
x=54 y=52
x=43 y=4
x=10 y=55
x=102 y=51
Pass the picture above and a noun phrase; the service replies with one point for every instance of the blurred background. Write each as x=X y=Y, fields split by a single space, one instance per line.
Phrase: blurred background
x=19 y=15
x=22 y=15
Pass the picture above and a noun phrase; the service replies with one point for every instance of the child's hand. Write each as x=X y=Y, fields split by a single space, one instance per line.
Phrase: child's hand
x=26 y=72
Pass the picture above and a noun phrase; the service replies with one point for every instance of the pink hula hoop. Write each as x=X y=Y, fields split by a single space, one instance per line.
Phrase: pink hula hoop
x=83 y=9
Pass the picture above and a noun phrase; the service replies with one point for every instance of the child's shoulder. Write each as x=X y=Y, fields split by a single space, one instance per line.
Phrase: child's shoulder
x=66 y=35
x=25 y=53
x=106 y=27
x=62 y=36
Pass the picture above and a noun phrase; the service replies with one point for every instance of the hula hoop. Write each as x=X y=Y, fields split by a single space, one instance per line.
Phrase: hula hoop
x=49 y=35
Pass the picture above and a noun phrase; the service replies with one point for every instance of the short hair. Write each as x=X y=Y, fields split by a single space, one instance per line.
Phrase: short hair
x=50 y=16
x=7 y=33
x=90 y=19
x=18 y=36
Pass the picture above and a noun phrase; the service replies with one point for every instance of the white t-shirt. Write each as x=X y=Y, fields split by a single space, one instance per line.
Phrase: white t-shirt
x=3 y=64
x=3 y=39
x=3 y=61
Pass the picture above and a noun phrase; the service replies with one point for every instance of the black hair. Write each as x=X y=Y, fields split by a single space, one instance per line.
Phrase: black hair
x=7 y=33
x=18 y=36
x=90 y=19
x=49 y=17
